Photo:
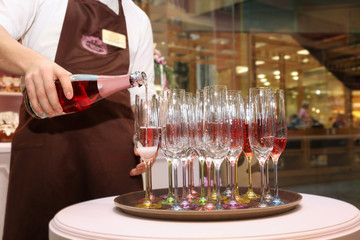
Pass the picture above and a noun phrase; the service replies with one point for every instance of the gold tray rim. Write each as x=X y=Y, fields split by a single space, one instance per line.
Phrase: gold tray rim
x=233 y=214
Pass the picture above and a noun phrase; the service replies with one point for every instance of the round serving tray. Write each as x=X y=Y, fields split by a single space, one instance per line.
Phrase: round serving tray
x=126 y=203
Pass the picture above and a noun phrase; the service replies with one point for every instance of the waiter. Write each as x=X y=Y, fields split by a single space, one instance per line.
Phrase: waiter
x=67 y=159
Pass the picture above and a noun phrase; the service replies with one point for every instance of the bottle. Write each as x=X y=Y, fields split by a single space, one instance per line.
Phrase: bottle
x=89 y=89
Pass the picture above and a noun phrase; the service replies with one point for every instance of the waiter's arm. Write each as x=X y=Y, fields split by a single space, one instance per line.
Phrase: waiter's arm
x=38 y=71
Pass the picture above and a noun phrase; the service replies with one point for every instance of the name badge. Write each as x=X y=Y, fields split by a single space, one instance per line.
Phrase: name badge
x=114 y=39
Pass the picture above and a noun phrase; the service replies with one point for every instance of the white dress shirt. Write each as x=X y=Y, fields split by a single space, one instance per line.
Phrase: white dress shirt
x=39 y=23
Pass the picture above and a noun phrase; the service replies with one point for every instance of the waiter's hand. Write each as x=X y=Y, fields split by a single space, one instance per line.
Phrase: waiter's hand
x=39 y=82
x=139 y=169
x=39 y=73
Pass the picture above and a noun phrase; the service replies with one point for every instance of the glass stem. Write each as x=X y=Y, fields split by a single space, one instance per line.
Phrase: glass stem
x=233 y=170
x=192 y=172
x=267 y=178
x=150 y=177
x=208 y=171
x=151 y=195
x=147 y=185
x=262 y=170
x=276 y=178
x=214 y=180
x=218 y=195
x=236 y=181
x=248 y=160
x=176 y=184
x=228 y=166
x=190 y=175
x=202 y=187
x=170 y=189
x=184 y=166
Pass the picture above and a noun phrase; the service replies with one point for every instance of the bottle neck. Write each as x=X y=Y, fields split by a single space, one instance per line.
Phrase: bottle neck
x=109 y=85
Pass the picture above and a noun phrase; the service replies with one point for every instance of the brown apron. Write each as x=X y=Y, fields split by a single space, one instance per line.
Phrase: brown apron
x=61 y=161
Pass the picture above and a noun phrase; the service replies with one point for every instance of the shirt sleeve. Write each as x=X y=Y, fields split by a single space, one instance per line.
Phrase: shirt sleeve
x=16 y=16
x=144 y=57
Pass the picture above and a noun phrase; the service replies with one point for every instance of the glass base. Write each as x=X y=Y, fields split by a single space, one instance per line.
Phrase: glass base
x=262 y=204
x=241 y=199
x=186 y=205
x=201 y=201
x=191 y=197
x=268 y=197
x=154 y=199
x=219 y=207
x=250 y=194
x=209 y=206
x=176 y=207
x=152 y=196
x=214 y=195
x=149 y=205
x=277 y=201
x=233 y=204
x=226 y=193
x=169 y=200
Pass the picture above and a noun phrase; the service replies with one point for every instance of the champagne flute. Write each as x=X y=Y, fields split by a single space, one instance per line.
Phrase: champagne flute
x=186 y=131
x=169 y=198
x=171 y=134
x=192 y=193
x=237 y=115
x=199 y=143
x=261 y=129
x=280 y=140
x=209 y=205
x=250 y=194
x=151 y=193
x=216 y=130
x=147 y=141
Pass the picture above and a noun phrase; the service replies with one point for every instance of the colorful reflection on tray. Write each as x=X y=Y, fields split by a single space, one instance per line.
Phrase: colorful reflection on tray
x=165 y=201
x=126 y=203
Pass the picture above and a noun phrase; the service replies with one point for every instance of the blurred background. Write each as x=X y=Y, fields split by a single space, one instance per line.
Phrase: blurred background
x=309 y=48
